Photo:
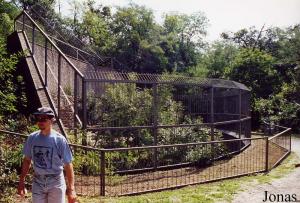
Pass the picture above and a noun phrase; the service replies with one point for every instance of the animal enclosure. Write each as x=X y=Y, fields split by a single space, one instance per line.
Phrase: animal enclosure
x=146 y=132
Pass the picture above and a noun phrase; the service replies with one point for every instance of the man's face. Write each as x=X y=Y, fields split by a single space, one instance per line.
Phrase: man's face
x=43 y=121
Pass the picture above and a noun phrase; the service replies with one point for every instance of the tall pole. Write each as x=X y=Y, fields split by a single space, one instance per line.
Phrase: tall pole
x=46 y=63
x=240 y=118
x=75 y=104
x=212 y=120
x=58 y=86
x=155 y=122
x=84 y=103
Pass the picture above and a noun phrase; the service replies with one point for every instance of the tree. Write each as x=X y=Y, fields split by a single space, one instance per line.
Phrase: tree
x=217 y=57
x=96 y=31
x=261 y=39
x=137 y=39
x=254 y=68
x=7 y=87
x=186 y=32
x=7 y=13
x=289 y=45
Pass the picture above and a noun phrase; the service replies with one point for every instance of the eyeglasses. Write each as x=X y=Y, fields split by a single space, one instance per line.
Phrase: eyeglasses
x=41 y=119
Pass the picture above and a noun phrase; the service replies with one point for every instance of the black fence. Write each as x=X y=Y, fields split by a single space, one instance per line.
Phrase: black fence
x=149 y=132
x=129 y=109
x=135 y=170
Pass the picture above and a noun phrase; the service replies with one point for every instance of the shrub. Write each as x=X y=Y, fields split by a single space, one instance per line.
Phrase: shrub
x=10 y=162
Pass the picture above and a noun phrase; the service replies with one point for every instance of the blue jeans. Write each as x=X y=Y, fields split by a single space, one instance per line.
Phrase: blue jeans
x=49 y=189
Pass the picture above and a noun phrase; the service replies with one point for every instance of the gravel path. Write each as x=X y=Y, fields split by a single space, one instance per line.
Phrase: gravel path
x=287 y=185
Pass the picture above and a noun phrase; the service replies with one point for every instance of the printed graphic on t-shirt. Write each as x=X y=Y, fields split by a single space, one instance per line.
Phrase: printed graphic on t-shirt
x=42 y=157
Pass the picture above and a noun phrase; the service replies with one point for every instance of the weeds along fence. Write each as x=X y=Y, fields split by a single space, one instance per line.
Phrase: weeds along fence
x=135 y=170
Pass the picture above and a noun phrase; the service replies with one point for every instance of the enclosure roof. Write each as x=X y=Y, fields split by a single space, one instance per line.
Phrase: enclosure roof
x=146 y=78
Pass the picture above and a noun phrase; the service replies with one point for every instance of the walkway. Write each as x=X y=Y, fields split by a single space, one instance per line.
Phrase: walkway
x=287 y=185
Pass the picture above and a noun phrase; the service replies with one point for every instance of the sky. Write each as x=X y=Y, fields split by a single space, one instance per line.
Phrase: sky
x=223 y=15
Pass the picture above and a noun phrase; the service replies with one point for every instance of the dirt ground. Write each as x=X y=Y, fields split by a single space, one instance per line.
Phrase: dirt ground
x=287 y=185
x=251 y=160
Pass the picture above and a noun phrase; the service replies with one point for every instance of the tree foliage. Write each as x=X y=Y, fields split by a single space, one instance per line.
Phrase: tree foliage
x=268 y=62
x=254 y=69
x=266 y=59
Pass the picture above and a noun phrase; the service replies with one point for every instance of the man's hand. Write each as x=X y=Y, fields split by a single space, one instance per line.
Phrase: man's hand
x=21 y=189
x=71 y=196
x=25 y=168
x=70 y=183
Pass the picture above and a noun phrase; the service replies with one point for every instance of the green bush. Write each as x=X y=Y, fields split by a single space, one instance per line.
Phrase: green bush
x=129 y=105
x=10 y=163
x=86 y=162
x=200 y=156
x=123 y=105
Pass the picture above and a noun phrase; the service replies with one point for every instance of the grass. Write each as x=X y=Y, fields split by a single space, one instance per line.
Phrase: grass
x=221 y=191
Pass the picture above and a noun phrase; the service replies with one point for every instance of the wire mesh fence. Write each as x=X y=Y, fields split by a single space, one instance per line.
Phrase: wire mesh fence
x=150 y=132
x=62 y=80
x=134 y=170
x=116 y=103
x=178 y=165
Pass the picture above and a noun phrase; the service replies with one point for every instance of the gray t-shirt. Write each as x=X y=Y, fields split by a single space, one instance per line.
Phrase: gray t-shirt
x=48 y=153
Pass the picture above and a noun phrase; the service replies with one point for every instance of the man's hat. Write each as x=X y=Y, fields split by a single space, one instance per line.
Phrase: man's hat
x=44 y=111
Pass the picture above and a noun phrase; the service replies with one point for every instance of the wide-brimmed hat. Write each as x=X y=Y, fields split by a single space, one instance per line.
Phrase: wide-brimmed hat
x=44 y=111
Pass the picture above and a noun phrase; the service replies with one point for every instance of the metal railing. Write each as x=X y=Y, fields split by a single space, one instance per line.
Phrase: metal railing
x=62 y=81
x=279 y=145
x=127 y=171
x=69 y=90
x=213 y=110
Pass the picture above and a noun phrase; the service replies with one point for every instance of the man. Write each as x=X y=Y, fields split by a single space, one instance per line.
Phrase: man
x=50 y=154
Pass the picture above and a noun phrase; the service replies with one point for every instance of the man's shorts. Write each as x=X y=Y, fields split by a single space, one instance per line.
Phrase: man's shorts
x=48 y=188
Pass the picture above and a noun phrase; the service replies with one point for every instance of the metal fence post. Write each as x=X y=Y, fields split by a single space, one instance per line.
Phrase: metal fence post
x=155 y=122
x=102 y=173
x=84 y=106
x=212 y=130
x=84 y=103
x=240 y=117
x=46 y=63
x=267 y=155
x=14 y=24
x=75 y=104
x=59 y=83
x=112 y=63
x=212 y=113
x=23 y=19
x=33 y=36
x=290 y=140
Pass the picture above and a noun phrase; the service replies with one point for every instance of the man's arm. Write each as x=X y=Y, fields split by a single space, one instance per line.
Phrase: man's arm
x=70 y=185
x=25 y=168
